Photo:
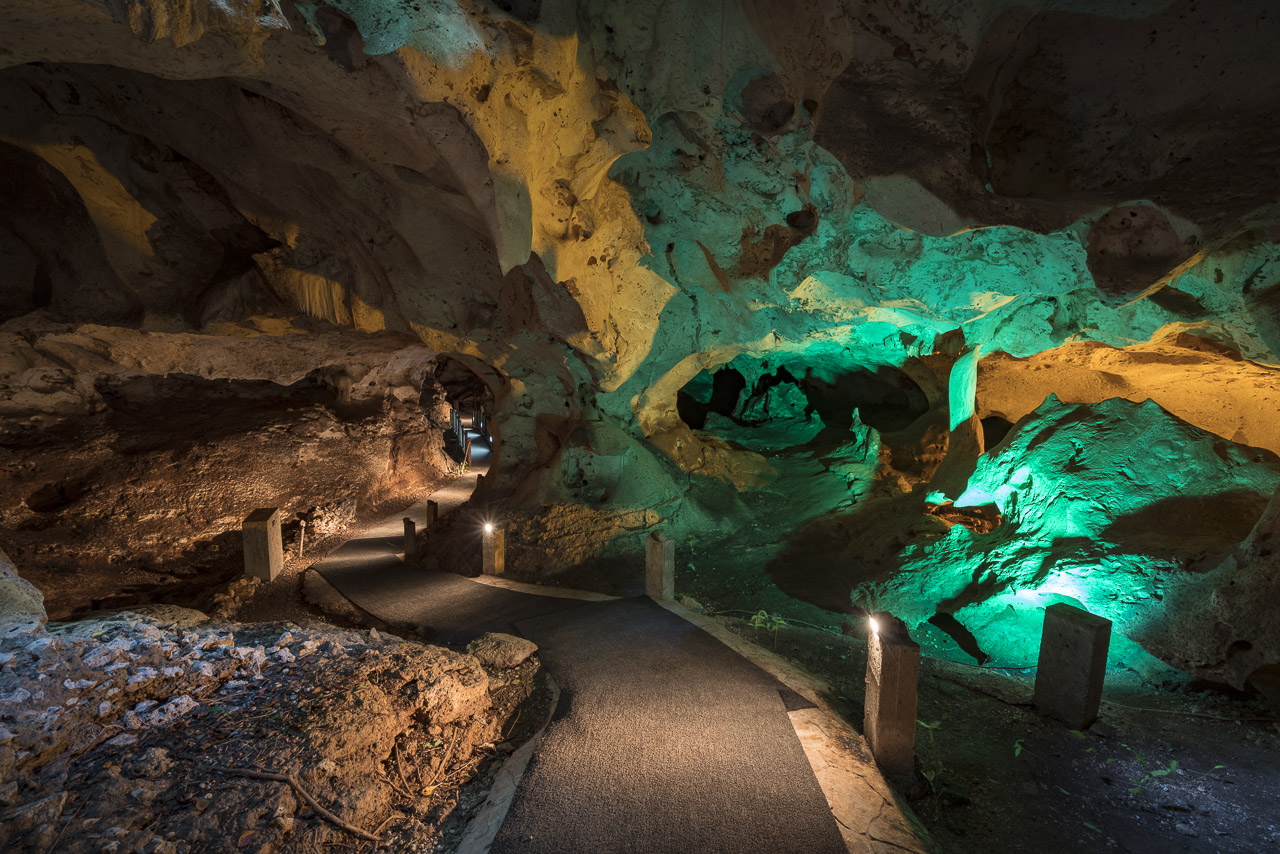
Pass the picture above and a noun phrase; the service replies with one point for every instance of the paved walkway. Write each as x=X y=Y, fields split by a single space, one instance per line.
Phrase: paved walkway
x=664 y=738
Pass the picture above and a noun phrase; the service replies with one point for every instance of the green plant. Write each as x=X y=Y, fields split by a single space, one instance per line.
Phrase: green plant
x=1156 y=773
x=1153 y=774
x=762 y=619
x=931 y=766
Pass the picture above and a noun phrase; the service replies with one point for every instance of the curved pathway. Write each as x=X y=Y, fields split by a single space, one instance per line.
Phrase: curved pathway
x=664 y=738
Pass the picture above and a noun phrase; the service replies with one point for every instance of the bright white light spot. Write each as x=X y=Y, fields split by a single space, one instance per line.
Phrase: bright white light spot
x=488 y=527
x=875 y=627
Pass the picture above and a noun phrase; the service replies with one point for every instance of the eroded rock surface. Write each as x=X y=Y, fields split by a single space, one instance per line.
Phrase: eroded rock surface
x=113 y=728
x=1117 y=507
x=599 y=208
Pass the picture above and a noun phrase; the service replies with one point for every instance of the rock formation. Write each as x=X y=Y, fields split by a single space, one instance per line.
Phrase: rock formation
x=112 y=729
x=608 y=212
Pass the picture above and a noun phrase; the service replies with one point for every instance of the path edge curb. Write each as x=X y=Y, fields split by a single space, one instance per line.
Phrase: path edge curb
x=836 y=752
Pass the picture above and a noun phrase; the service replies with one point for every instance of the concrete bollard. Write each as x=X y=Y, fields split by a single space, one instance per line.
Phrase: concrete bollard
x=659 y=567
x=495 y=550
x=433 y=513
x=410 y=540
x=1073 y=664
x=263 y=549
x=889 y=722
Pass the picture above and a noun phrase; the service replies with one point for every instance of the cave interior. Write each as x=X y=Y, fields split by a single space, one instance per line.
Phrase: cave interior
x=938 y=313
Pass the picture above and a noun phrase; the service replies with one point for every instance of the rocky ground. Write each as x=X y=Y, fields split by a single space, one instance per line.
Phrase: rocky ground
x=1170 y=766
x=158 y=730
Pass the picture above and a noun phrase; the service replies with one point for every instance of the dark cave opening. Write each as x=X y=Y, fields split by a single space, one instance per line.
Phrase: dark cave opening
x=886 y=398
x=994 y=429
x=727 y=385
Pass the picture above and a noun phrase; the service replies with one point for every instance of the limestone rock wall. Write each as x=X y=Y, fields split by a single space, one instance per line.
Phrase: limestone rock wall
x=128 y=459
x=593 y=205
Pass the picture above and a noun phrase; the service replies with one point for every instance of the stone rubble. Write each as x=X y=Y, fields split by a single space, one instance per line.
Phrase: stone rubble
x=106 y=724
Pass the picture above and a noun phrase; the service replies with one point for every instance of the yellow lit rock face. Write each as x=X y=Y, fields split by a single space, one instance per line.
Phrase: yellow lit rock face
x=600 y=207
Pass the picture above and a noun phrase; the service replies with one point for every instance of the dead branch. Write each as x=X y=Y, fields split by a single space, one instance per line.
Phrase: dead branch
x=395 y=755
x=395 y=788
x=302 y=793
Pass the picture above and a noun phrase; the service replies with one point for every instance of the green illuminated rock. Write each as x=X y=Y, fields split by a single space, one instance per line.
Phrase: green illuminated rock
x=1112 y=506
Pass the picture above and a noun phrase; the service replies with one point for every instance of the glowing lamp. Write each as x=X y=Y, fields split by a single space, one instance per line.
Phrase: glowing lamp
x=875 y=627
x=494 y=550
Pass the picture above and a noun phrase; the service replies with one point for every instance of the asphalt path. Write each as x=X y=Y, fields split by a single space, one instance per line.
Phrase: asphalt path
x=663 y=740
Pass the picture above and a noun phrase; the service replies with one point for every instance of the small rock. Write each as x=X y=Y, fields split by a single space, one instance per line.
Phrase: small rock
x=21 y=695
x=1103 y=729
x=153 y=763
x=497 y=651
x=1185 y=829
x=691 y=604
x=171 y=711
x=140 y=677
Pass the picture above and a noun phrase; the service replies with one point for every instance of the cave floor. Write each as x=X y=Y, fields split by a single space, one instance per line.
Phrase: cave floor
x=1167 y=767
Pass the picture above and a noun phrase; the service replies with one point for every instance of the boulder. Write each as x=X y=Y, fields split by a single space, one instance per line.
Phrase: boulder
x=1225 y=625
x=497 y=651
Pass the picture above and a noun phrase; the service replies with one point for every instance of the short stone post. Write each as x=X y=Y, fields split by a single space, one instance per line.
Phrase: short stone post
x=263 y=549
x=410 y=540
x=495 y=550
x=433 y=513
x=466 y=450
x=659 y=567
x=1073 y=664
x=889 y=723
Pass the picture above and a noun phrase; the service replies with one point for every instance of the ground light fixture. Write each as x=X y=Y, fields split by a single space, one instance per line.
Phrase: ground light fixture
x=493 y=549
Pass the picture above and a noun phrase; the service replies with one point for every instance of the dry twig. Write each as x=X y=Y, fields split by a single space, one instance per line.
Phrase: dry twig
x=436 y=779
x=395 y=755
x=395 y=788
x=302 y=793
